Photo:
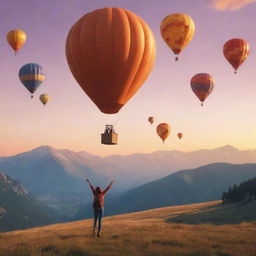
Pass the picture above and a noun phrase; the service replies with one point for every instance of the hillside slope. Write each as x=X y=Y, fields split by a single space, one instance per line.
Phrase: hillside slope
x=206 y=183
x=162 y=232
x=18 y=210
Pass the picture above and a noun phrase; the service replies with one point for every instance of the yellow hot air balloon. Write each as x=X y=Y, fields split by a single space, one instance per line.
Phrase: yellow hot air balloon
x=163 y=130
x=16 y=39
x=44 y=98
x=177 y=30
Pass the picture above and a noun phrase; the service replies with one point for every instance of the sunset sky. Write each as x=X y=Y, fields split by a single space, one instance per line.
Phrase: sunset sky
x=72 y=121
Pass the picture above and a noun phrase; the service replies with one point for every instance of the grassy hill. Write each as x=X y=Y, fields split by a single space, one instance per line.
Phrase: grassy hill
x=203 y=184
x=199 y=229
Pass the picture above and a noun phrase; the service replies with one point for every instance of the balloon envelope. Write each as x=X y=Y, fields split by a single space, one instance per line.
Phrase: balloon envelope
x=31 y=75
x=177 y=31
x=202 y=85
x=110 y=53
x=151 y=119
x=236 y=51
x=163 y=130
x=44 y=98
x=180 y=135
x=16 y=39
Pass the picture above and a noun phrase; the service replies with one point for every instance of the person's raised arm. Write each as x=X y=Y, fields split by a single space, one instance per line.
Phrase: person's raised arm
x=91 y=186
x=108 y=187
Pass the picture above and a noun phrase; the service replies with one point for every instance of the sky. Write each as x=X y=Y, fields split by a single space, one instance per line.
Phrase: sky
x=71 y=121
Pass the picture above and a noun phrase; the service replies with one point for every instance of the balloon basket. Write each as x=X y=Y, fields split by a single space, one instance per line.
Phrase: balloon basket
x=109 y=137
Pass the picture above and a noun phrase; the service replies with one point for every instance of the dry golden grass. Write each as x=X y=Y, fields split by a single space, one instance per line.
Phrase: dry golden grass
x=149 y=233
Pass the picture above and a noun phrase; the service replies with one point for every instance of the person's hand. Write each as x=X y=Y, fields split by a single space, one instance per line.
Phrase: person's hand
x=112 y=181
x=88 y=180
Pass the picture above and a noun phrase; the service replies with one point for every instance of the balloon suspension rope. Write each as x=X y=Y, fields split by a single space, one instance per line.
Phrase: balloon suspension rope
x=116 y=122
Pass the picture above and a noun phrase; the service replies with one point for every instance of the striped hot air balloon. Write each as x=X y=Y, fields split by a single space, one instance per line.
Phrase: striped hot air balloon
x=31 y=75
x=202 y=85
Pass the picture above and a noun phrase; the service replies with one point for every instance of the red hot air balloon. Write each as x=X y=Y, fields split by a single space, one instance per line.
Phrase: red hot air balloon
x=202 y=85
x=151 y=119
x=236 y=51
x=110 y=52
x=180 y=135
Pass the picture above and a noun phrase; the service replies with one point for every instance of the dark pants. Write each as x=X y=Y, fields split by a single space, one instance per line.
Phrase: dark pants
x=98 y=213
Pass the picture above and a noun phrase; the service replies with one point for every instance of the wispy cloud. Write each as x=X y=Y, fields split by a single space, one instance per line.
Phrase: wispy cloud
x=230 y=5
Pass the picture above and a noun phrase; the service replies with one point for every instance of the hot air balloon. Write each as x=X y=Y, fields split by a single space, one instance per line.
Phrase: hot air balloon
x=202 y=85
x=163 y=130
x=31 y=75
x=236 y=51
x=16 y=39
x=151 y=119
x=44 y=98
x=177 y=30
x=110 y=52
x=180 y=135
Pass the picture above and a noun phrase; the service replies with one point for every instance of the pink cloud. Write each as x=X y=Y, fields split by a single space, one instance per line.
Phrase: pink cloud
x=230 y=5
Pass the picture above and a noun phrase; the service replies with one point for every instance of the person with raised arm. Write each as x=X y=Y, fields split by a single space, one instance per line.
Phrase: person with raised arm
x=98 y=205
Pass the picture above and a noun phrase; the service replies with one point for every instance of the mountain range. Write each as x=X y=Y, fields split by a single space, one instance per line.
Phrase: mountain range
x=206 y=183
x=152 y=166
x=57 y=177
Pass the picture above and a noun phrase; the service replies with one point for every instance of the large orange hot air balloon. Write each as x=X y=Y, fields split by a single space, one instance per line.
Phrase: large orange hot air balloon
x=177 y=30
x=163 y=130
x=236 y=51
x=202 y=85
x=110 y=52
x=180 y=135
x=151 y=119
x=16 y=39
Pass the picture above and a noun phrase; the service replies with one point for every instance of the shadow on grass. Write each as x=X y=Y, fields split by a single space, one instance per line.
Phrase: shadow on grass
x=218 y=215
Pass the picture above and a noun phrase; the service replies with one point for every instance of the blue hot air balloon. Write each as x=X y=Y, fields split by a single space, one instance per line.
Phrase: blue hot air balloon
x=31 y=75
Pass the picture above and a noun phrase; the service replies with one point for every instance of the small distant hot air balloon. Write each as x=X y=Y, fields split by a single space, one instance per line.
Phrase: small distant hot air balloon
x=180 y=135
x=236 y=51
x=177 y=31
x=163 y=130
x=44 y=98
x=151 y=119
x=16 y=39
x=31 y=75
x=202 y=85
